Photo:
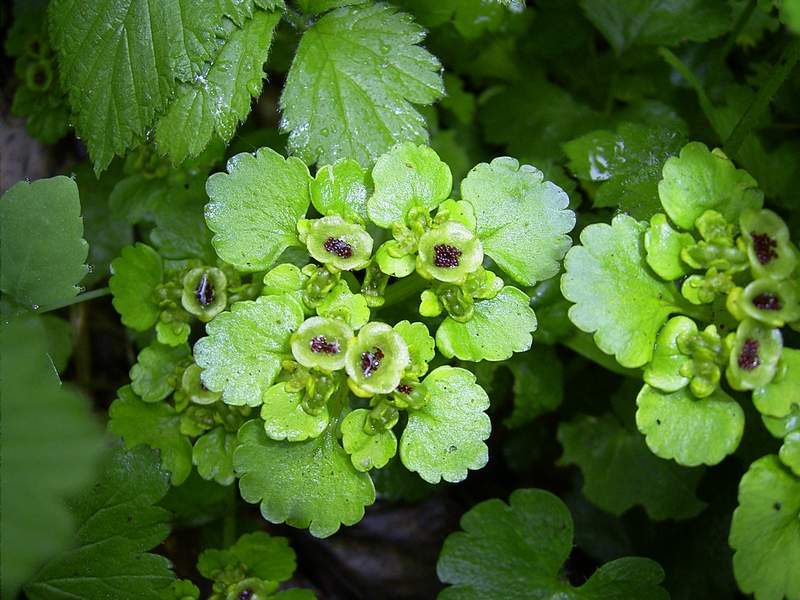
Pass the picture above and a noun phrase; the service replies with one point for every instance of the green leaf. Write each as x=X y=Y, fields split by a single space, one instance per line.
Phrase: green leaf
x=180 y=231
x=538 y=384
x=341 y=303
x=445 y=438
x=406 y=177
x=255 y=207
x=664 y=245
x=699 y=180
x=620 y=472
x=421 y=346
x=264 y=556
x=156 y=425
x=366 y=450
x=352 y=86
x=765 y=532
x=628 y=23
x=523 y=221
x=320 y=6
x=616 y=297
x=779 y=397
x=692 y=431
x=242 y=353
x=213 y=455
x=119 y=521
x=58 y=334
x=50 y=443
x=155 y=374
x=215 y=102
x=285 y=419
x=342 y=189
x=517 y=551
x=137 y=271
x=305 y=484
x=41 y=236
x=499 y=327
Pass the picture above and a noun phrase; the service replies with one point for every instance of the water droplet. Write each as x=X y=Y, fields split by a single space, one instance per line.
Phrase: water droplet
x=34 y=307
x=81 y=289
x=90 y=268
x=325 y=131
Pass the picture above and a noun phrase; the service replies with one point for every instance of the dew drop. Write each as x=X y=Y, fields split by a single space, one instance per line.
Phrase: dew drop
x=34 y=307
x=325 y=131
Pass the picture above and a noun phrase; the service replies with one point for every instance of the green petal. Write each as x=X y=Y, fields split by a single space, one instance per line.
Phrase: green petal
x=664 y=245
x=465 y=252
x=136 y=274
x=769 y=301
x=213 y=455
x=155 y=374
x=365 y=450
x=341 y=189
x=421 y=346
x=782 y=394
x=285 y=419
x=768 y=246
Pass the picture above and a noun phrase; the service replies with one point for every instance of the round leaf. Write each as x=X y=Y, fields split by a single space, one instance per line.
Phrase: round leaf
x=777 y=398
x=285 y=419
x=341 y=189
x=155 y=374
x=366 y=451
x=213 y=455
x=137 y=271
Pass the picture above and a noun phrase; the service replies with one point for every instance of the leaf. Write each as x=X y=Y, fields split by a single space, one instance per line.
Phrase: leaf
x=285 y=419
x=619 y=471
x=523 y=221
x=699 y=180
x=341 y=303
x=264 y=556
x=242 y=353
x=366 y=450
x=180 y=231
x=538 y=385
x=500 y=326
x=692 y=431
x=255 y=207
x=765 y=532
x=216 y=101
x=444 y=439
x=119 y=521
x=406 y=177
x=517 y=551
x=155 y=374
x=145 y=46
x=630 y=23
x=156 y=425
x=352 y=86
x=305 y=484
x=50 y=443
x=664 y=245
x=779 y=397
x=615 y=295
x=136 y=273
x=320 y=6
x=213 y=455
x=43 y=250
x=342 y=189
x=421 y=346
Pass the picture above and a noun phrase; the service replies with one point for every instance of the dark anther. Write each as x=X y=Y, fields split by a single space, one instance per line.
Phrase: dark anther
x=246 y=594
x=320 y=343
x=764 y=247
x=205 y=291
x=748 y=357
x=404 y=388
x=446 y=256
x=370 y=361
x=777 y=506
x=767 y=301
x=338 y=247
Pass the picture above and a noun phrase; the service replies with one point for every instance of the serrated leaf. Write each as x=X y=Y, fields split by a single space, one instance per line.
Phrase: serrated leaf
x=523 y=221
x=157 y=426
x=517 y=551
x=242 y=353
x=305 y=484
x=499 y=327
x=216 y=101
x=782 y=395
x=213 y=455
x=135 y=275
x=264 y=556
x=255 y=207
x=619 y=471
x=445 y=438
x=615 y=295
x=765 y=532
x=692 y=431
x=285 y=419
x=155 y=374
x=320 y=6
x=352 y=86
x=41 y=236
x=119 y=522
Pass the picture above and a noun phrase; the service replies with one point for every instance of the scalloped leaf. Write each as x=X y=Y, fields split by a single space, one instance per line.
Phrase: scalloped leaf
x=421 y=346
x=522 y=220
x=264 y=556
x=285 y=419
x=342 y=189
x=305 y=484
x=445 y=438
x=341 y=303
x=254 y=208
x=155 y=374
x=136 y=273
x=241 y=356
x=212 y=454
x=366 y=450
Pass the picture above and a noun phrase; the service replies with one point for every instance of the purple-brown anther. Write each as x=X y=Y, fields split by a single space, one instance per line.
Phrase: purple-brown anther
x=246 y=594
x=446 y=256
x=767 y=301
x=748 y=357
x=338 y=247
x=404 y=388
x=205 y=291
x=370 y=361
x=320 y=343
x=764 y=246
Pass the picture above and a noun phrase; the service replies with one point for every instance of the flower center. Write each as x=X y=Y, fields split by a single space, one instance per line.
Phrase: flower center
x=338 y=247
x=204 y=291
x=404 y=388
x=370 y=361
x=767 y=301
x=320 y=343
x=748 y=357
x=764 y=246
x=246 y=594
x=446 y=256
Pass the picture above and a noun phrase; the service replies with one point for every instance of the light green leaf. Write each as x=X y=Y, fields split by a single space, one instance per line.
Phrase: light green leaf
x=341 y=303
x=41 y=236
x=408 y=176
x=155 y=374
x=421 y=346
x=156 y=425
x=765 y=532
x=213 y=455
x=790 y=452
x=664 y=370
x=342 y=189
x=517 y=551
x=320 y=6
x=136 y=273
x=619 y=471
x=689 y=430
x=445 y=438
x=523 y=221
x=616 y=297
x=699 y=180
x=366 y=450
x=782 y=394
x=173 y=333
x=255 y=207
x=664 y=245
x=215 y=102
x=352 y=85
x=264 y=556
x=499 y=327
x=285 y=419
x=305 y=484
x=118 y=522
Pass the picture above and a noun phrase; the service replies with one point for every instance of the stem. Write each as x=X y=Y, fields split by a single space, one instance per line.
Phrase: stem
x=229 y=520
x=762 y=99
x=405 y=288
x=743 y=19
x=98 y=293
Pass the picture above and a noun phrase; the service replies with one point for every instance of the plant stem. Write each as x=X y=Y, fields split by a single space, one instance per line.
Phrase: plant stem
x=405 y=288
x=762 y=99
x=229 y=520
x=743 y=19
x=98 y=293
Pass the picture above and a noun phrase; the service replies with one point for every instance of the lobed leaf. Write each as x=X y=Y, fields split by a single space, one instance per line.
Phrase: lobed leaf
x=212 y=454
x=136 y=273
x=155 y=374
